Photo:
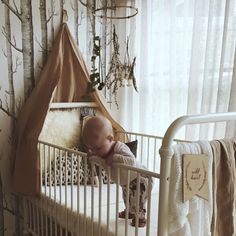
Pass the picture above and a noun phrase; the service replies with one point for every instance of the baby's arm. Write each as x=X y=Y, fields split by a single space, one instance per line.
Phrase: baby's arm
x=123 y=155
x=94 y=158
x=90 y=153
x=118 y=158
x=123 y=159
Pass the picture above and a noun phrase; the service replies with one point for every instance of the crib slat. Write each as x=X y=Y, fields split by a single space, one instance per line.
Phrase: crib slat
x=155 y=157
x=29 y=213
x=78 y=194
x=40 y=184
x=141 y=154
x=85 y=194
x=30 y=217
x=66 y=202
x=108 y=200
x=55 y=184
x=45 y=192
x=50 y=189
x=37 y=218
x=92 y=198
x=148 y=206
x=137 y=204
x=127 y=202
x=129 y=137
x=117 y=199
x=100 y=200
x=73 y=158
x=60 y=186
x=34 y=214
x=148 y=162
x=24 y=214
x=40 y=187
x=41 y=198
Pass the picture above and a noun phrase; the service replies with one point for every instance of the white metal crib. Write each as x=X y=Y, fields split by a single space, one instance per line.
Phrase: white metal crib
x=86 y=209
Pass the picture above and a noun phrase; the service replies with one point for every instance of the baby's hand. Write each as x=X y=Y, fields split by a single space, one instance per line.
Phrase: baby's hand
x=90 y=153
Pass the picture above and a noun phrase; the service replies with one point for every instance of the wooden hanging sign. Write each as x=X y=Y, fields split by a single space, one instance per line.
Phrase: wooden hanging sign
x=195 y=176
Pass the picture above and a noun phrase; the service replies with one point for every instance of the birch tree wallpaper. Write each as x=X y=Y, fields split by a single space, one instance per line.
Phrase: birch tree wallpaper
x=28 y=29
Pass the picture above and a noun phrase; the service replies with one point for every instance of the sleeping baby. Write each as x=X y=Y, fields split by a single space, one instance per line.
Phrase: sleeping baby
x=99 y=139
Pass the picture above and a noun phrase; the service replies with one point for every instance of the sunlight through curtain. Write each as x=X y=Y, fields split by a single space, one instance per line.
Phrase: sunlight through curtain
x=185 y=60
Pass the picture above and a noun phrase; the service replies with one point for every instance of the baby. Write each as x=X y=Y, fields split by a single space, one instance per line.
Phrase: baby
x=99 y=139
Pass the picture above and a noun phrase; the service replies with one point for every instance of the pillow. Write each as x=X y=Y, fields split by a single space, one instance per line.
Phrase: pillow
x=59 y=166
x=133 y=147
x=62 y=128
x=73 y=160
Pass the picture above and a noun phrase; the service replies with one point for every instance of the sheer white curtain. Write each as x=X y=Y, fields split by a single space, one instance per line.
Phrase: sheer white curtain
x=185 y=60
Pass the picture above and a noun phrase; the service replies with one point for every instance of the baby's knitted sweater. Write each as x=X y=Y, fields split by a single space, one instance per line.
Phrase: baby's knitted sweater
x=123 y=155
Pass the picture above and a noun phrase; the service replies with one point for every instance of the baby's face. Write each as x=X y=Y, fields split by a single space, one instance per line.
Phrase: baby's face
x=102 y=147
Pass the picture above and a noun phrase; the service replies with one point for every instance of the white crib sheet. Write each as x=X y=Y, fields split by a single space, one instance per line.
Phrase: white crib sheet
x=64 y=208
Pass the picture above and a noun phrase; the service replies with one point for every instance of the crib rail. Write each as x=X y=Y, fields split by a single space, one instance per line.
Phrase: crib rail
x=166 y=153
x=77 y=208
x=147 y=148
x=76 y=200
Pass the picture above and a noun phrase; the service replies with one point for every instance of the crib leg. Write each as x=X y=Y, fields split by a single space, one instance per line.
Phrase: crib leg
x=166 y=156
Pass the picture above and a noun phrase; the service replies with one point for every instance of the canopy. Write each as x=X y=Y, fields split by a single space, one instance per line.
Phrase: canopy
x=64 y=78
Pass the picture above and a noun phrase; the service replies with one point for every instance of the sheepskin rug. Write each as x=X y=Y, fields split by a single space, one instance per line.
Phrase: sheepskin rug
x=62 y=128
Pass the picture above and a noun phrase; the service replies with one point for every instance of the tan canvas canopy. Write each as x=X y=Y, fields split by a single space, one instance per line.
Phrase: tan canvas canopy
x=63 y=79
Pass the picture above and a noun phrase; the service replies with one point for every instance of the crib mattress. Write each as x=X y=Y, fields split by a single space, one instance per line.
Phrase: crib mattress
x=61 y=205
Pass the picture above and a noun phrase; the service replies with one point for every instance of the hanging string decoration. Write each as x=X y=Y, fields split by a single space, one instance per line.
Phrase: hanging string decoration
x=128 y=68
x=96 y=79
x=120 y=74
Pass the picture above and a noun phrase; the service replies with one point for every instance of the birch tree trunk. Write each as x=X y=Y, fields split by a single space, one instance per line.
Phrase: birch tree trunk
x=103 y=44
x=61 y=9
x=27 y=46
x=76 y=23
x=44 y=33
x=90 y=29
x=52 y=21
x=11 y=91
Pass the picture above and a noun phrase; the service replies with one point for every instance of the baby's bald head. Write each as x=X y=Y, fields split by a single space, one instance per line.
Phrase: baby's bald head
x=95 y=130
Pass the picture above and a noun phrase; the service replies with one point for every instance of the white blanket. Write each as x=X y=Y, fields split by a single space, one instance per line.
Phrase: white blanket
x=192 y=218
x=61 y=203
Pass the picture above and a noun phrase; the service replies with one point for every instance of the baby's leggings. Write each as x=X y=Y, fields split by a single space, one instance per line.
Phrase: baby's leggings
x=143 y=196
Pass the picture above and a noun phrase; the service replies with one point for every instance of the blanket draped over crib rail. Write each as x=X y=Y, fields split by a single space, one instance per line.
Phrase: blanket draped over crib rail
x=223 y=187
x=197 y=216
x=64 y=78
x=224 y=176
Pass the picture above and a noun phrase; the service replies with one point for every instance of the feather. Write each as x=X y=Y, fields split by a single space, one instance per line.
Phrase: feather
x=131 y=75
